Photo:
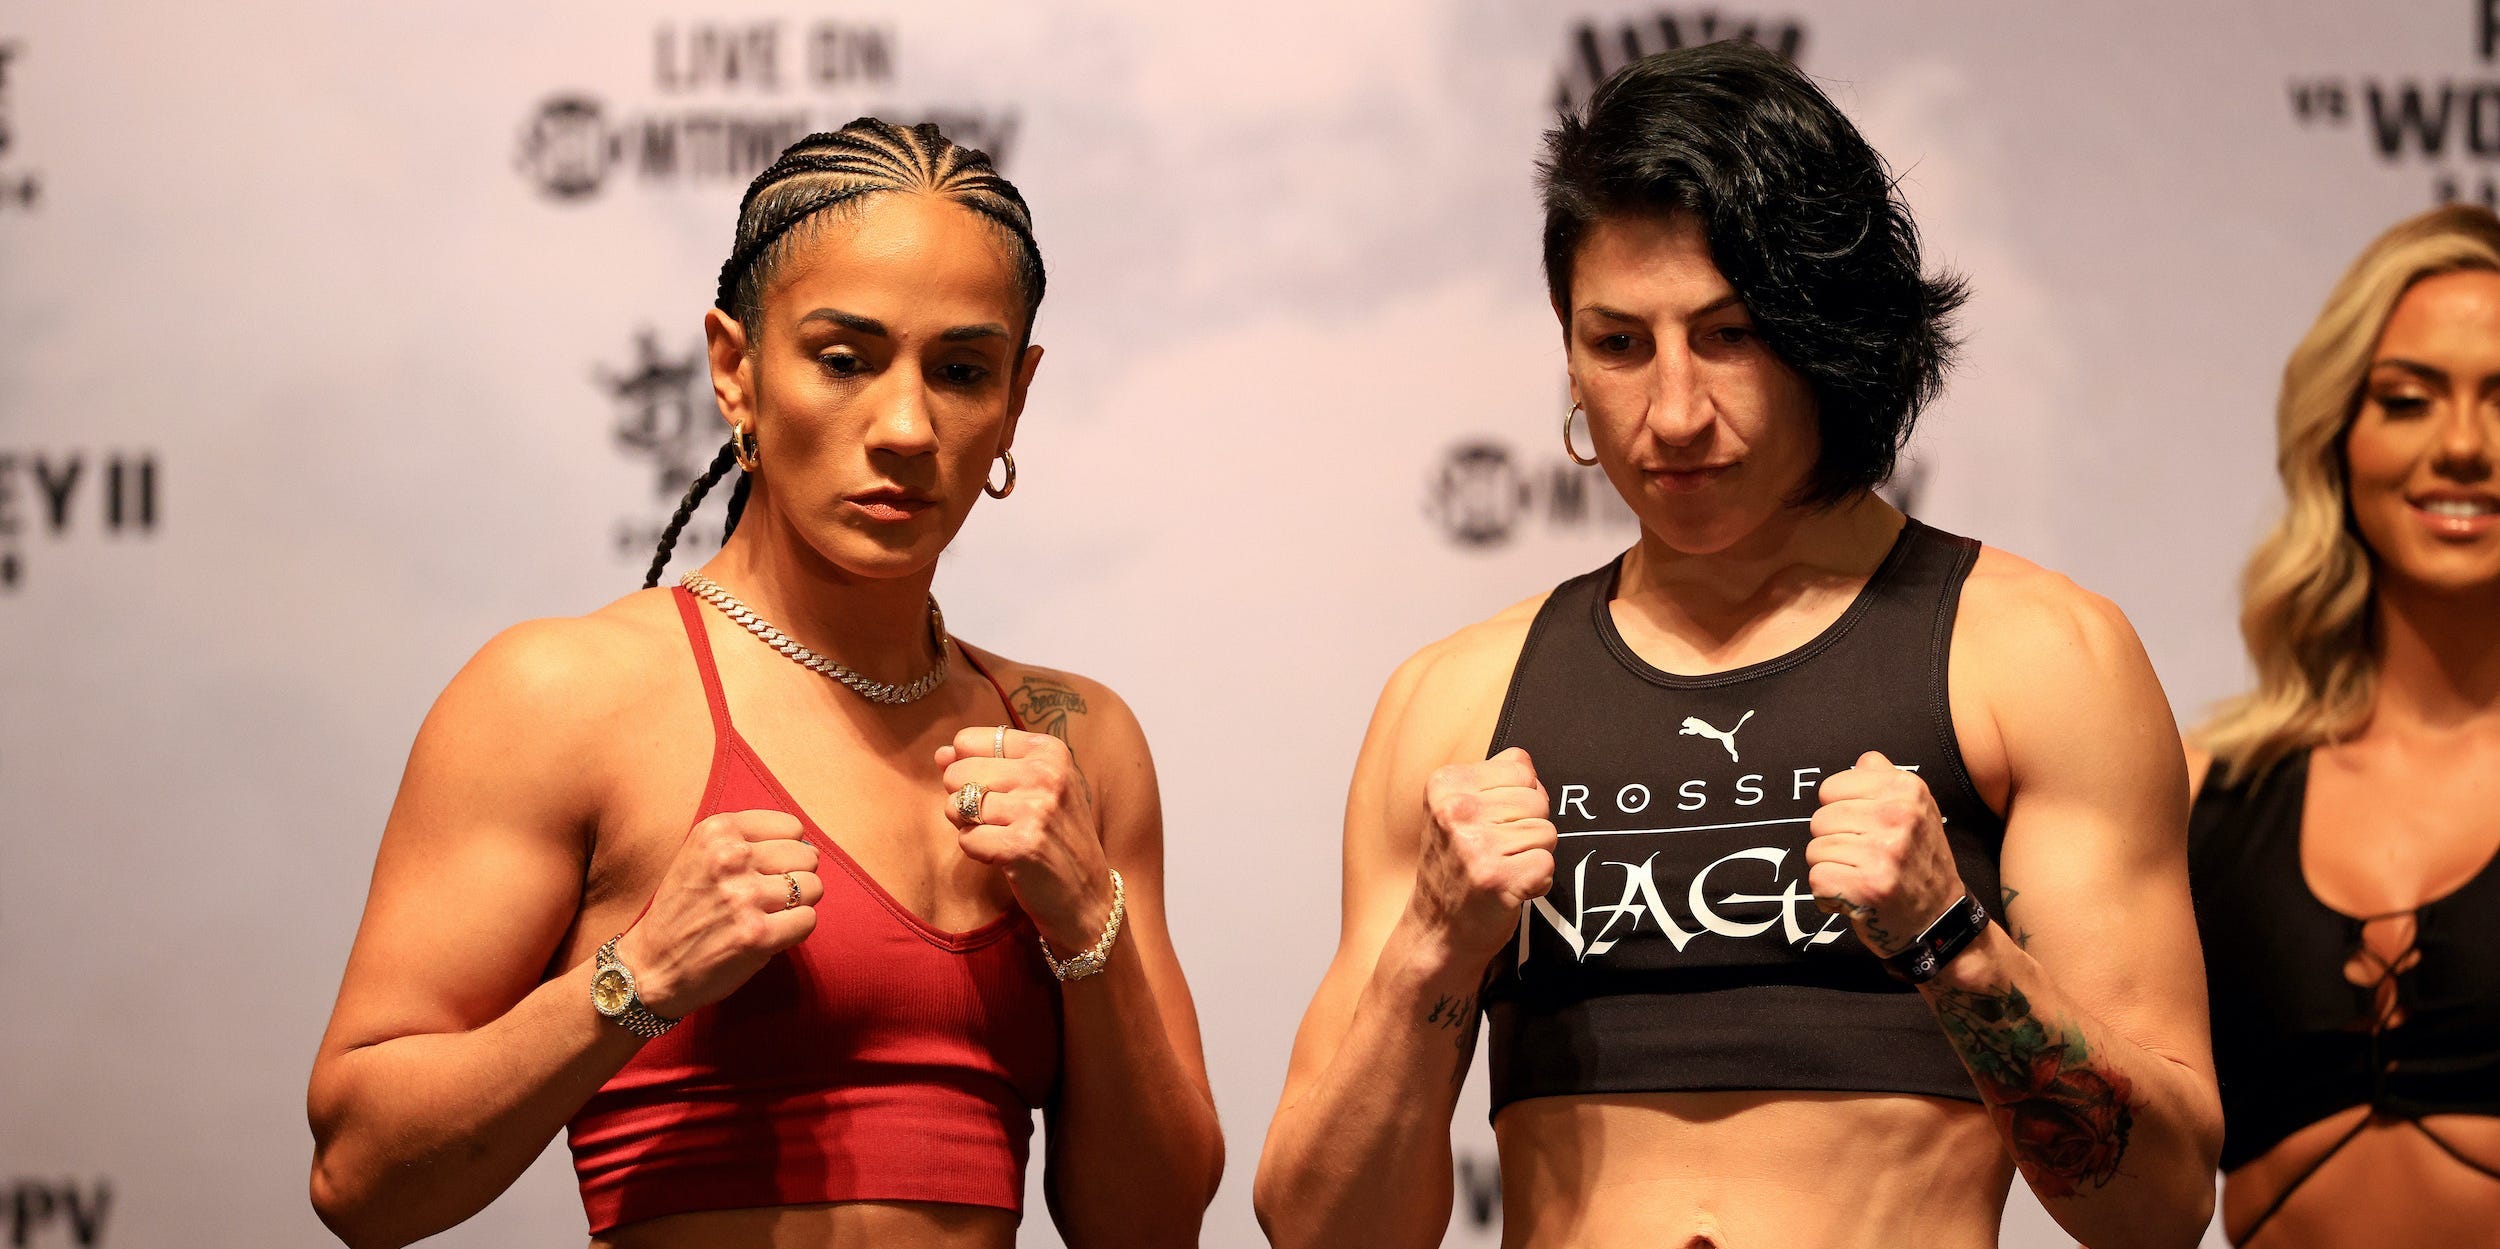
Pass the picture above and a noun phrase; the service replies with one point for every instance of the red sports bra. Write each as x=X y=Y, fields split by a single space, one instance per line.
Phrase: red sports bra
x=881 y=1059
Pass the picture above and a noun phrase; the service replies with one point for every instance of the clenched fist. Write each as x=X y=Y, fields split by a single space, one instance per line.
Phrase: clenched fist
x=1879 y=854
x=1488 y=848
x=723 y=908
x=1037 y=827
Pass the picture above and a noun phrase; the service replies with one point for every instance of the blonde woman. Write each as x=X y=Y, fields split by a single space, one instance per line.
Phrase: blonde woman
x=2342 y=843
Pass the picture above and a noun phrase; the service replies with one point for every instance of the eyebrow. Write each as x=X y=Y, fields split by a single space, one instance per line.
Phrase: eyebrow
x=1727 y=300
x=2435 y=376
x=876 y=329
x=849 y=321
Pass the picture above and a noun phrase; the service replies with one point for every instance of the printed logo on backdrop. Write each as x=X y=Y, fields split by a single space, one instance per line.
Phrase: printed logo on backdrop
x=2446 y=126
x=51 y=499
x=1597 y=48
x=725 y=98
x=1486 y=494
x=54 y=1211
x=665 y=417
x=21 y=189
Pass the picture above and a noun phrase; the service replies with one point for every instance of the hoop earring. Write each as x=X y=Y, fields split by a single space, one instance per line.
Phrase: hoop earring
x=742 y=445
x=1572 y=451
x=1000 y=492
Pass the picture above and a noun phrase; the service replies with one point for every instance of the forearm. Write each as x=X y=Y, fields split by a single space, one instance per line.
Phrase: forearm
x=1136 y=1153
x=1363 y=1156
x=2117 y=1141
x=414 y=1134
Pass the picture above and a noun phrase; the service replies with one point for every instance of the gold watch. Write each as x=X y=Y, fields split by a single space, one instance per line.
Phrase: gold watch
x=614 y=994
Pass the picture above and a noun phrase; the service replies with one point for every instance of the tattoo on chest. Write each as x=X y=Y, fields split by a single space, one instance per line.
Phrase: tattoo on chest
x=1045 y=705
x=2067 y=1115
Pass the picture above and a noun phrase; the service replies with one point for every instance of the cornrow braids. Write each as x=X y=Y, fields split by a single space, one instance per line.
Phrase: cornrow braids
x=694 y=498
x=825 y=171
x=834 y=168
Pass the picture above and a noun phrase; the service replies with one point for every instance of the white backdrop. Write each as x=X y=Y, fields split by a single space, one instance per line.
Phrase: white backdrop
x=333 y=338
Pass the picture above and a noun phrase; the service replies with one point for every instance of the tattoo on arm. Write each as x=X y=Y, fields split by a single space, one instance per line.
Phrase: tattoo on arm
x=1457 y=1014
x=2067 y=1117
x=1045 y=705
x=2006 y=895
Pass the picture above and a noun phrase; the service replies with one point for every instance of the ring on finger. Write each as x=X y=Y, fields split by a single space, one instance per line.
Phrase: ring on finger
x=998 y=748
x=968 y=802
x=792 y=901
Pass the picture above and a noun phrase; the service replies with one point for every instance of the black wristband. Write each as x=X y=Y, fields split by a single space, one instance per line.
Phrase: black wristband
x=1952 y=933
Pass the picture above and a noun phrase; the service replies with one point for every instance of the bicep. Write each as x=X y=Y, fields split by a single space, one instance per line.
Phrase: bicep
x=2095 y=856
x=480 y=870
x=1383 y=826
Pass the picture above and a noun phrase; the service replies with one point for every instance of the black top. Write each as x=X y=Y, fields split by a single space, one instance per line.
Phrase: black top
x=2295 y=1040
x=1679 y=949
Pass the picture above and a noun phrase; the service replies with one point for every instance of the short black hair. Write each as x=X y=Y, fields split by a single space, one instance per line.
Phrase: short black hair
x=1803 y=219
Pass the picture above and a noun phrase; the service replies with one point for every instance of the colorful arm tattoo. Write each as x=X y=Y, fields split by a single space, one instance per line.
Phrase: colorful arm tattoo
x=2068 y=1118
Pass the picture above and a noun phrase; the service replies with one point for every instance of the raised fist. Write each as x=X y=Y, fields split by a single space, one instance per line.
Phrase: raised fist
x=1037 y=826
x=1879 y=855
x=723 y=909
x=1488 y=848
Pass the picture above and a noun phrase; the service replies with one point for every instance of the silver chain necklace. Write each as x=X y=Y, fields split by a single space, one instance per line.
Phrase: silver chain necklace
x=874 y=691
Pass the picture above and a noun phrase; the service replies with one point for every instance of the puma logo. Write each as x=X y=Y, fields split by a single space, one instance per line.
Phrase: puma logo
x=1695 y=726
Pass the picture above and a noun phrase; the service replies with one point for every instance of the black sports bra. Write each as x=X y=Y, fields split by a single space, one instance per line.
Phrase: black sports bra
x=2294 y=1040
x=1680 y=949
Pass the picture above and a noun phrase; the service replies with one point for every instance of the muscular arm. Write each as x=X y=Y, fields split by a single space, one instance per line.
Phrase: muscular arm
x=2082 y=1018
x=1359 y=1150
x=1134 y=1149
x=448 y=1064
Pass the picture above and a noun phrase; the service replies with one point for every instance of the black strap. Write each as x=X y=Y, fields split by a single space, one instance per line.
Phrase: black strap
x=2300 y=1179
x=1951 y=934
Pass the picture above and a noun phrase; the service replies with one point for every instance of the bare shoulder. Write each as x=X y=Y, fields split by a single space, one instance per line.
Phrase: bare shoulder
x=1440 y=706
x=2069 y=694
x=2019 y=612
x=559 y=677
x=1079 y=710
x=1470 y=667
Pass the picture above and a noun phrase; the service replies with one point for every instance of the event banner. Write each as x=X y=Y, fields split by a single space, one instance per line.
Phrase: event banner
x=335 y=339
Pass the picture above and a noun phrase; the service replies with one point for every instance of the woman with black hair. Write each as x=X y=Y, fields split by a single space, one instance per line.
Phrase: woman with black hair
x=921 y=893
x=1736 y=886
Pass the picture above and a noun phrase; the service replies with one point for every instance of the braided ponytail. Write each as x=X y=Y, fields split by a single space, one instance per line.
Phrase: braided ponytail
x=825 y=171
x=694 y=499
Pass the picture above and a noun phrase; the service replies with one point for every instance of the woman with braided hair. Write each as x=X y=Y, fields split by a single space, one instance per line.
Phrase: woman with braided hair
x=920 y=896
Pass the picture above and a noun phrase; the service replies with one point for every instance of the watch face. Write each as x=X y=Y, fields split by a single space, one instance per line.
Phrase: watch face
x=612 y=990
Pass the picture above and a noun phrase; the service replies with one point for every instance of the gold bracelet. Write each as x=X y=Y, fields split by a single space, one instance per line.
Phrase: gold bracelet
x=1092 y=961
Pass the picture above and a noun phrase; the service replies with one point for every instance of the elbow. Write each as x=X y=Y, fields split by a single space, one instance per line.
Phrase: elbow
x=1274 y=1201
x=350 y=1209
x=339 y=1210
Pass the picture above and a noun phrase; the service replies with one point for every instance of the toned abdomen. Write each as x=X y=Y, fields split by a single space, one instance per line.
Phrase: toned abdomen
x=1750 y=1169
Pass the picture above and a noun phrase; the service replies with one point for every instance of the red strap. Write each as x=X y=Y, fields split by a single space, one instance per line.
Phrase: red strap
x=1013 y=719
x=692 y=610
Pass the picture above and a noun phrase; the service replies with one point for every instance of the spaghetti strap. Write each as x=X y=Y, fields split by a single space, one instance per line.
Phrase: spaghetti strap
x=2276 y=1206
x=692 y=612
x=1015 y=721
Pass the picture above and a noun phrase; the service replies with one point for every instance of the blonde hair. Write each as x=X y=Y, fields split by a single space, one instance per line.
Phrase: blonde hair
x=2306 y=598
